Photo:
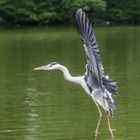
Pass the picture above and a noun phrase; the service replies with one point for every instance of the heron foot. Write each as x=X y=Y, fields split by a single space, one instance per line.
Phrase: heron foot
x=96 y=134
x=111 y=133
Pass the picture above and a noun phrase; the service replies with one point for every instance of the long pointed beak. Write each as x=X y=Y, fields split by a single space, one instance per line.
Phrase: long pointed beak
x=40 y=68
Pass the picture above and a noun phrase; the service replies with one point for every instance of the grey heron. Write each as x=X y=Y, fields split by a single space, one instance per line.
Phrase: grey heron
x=98 y=85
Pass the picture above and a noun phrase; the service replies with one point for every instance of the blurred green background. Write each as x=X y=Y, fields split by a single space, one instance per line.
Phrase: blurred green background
x=42 y=105
x=61 y=12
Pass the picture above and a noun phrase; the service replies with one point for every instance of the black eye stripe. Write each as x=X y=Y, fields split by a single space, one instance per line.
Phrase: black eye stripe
x=53 y=63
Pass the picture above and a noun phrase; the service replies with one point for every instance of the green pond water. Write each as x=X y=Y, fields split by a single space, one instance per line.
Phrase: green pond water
x=41 y=105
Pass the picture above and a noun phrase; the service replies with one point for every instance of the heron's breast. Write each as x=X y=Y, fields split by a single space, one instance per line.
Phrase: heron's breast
x=86 y=88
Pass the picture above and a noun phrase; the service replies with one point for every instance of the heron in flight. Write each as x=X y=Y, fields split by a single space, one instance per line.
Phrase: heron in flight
x=95 y=83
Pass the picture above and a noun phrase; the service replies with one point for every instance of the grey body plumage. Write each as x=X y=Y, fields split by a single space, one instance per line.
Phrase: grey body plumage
x=99 y=86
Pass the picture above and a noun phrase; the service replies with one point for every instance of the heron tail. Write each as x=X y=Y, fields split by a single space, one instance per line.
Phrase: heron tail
x=110 y=104
x=110 y=85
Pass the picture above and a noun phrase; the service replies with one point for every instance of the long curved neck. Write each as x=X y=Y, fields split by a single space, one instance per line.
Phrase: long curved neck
x=68 y=77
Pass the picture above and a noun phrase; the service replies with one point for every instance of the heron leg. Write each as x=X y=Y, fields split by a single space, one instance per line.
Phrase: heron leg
x=99 y=121
x=109 y=127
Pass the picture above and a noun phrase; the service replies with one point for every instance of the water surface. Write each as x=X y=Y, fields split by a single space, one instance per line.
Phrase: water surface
x=43 y=106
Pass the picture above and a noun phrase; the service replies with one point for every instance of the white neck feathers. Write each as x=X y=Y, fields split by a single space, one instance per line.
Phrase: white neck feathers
x=70 y=78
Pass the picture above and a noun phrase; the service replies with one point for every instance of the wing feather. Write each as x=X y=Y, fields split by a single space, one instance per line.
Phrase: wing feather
x=94 y=65
x=94 y=69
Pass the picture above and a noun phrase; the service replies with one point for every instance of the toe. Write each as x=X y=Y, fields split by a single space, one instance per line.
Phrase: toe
x=113 y=130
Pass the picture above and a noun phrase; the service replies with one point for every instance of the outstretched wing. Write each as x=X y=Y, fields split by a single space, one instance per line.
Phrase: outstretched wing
x=94 y=67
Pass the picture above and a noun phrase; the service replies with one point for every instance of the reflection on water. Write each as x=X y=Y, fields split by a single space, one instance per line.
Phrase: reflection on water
x=41 y=105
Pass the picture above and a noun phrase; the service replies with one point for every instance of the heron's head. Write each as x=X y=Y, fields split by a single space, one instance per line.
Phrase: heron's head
x=51 y=66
